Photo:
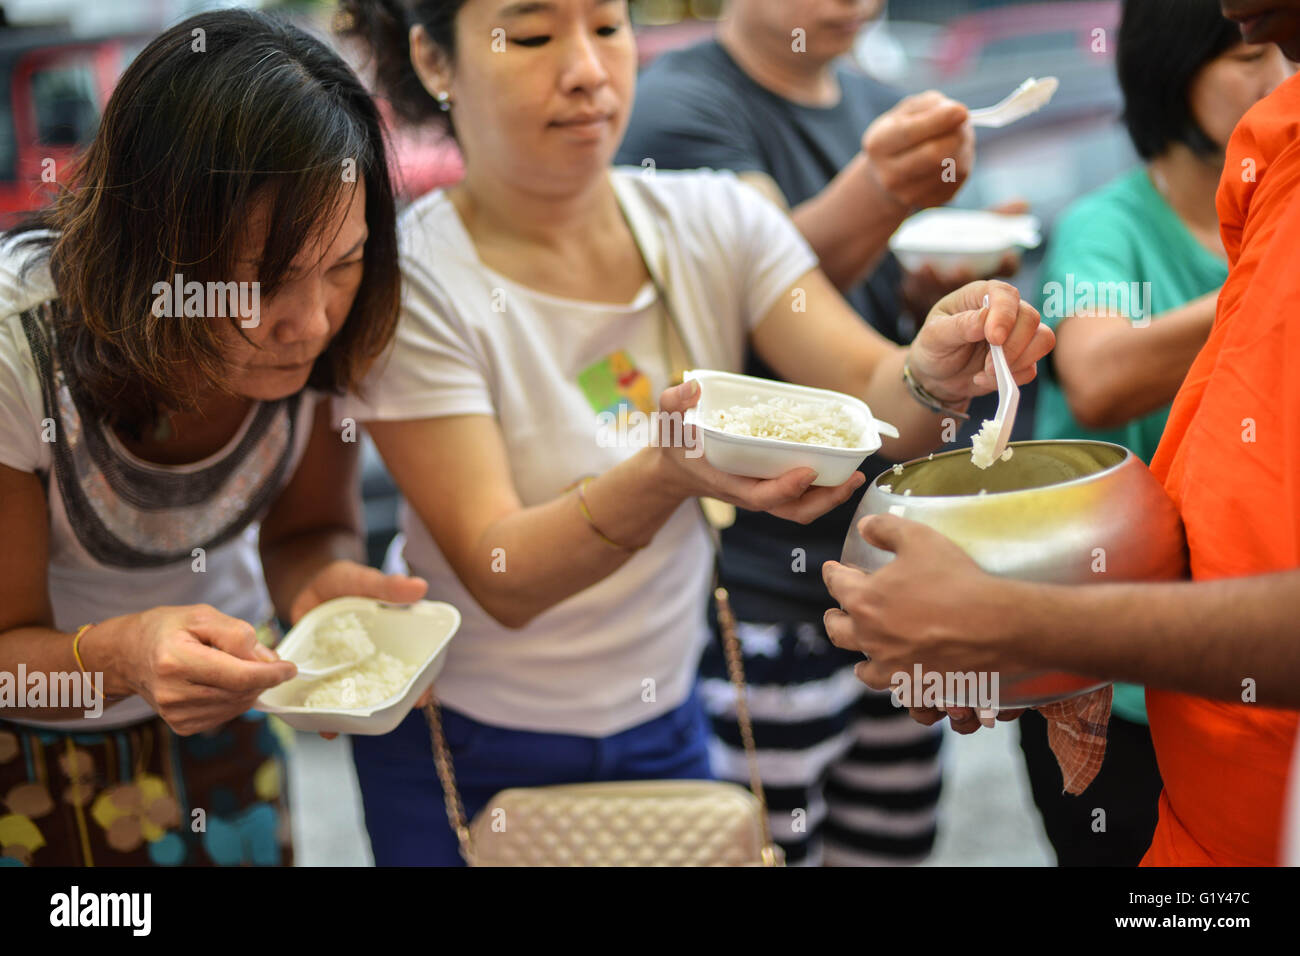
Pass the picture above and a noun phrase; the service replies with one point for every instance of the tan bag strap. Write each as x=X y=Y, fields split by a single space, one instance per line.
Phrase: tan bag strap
x=735 y=671
x=654 y=254
x=447 y=777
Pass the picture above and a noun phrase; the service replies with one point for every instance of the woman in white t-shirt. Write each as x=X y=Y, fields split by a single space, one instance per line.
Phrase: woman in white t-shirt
x=169 y=477
x=581 y=565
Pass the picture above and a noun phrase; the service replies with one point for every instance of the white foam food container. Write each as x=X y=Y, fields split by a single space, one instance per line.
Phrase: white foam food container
x=972 y=239
x=416 y=634
x=770 y=457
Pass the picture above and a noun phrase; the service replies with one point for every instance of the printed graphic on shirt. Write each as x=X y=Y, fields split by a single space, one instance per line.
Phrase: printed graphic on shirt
x=614 y=384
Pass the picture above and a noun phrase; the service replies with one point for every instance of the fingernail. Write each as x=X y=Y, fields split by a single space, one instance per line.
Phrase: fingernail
x=265 y=653
x=986 y=302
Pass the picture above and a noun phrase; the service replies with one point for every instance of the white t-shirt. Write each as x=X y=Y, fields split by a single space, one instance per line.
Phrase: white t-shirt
x=123 y=542
x=472 y=342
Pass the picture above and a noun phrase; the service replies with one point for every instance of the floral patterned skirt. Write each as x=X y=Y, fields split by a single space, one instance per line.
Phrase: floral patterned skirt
x=143 y=796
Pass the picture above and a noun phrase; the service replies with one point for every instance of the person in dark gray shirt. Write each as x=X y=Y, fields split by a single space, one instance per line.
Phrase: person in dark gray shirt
x=849 y=777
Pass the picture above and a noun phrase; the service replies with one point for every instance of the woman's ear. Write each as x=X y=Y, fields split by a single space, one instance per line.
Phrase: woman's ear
x=431 y=65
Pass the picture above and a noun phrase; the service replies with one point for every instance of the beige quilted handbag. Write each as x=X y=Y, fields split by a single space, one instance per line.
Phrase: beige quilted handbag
x=635 y=823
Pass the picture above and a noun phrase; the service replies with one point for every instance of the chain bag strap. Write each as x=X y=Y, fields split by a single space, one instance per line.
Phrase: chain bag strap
x=646 y=235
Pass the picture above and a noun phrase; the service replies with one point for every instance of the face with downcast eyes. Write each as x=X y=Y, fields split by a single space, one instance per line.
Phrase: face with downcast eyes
x=540 y=89
x=274 y=358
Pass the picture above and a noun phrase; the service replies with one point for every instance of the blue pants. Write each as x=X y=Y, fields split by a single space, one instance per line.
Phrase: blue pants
x=405 y=813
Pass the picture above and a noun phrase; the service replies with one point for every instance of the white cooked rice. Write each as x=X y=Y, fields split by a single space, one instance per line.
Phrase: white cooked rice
x=373 y=677
x=341 y=638
x=788 y=419
x=983 y=443
x=376 y=679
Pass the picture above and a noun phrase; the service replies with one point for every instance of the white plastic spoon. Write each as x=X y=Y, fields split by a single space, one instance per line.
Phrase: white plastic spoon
x=1002 y=423
x=307 y=673
x=267 y=637
x=1008 y=401
x=1029 y=97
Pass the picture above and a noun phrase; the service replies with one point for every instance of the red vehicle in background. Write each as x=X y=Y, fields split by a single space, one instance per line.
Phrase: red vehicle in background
x=53 y=87
x=1065 y=27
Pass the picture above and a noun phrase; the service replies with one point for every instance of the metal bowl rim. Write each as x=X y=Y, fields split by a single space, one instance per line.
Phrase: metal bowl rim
x=1071 y=483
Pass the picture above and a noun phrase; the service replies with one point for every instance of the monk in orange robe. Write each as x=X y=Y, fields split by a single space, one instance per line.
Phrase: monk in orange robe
x=1230 y=460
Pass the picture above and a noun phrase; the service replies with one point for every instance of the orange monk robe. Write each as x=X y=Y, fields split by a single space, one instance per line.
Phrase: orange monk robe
x=1230 y=459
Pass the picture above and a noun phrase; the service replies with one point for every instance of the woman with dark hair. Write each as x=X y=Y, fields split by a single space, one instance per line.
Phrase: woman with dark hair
x=548 y=294
x=1131 y=281
x=170 y=327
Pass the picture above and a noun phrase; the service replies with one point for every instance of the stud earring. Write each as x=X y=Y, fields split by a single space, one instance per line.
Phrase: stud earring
x=444 y=100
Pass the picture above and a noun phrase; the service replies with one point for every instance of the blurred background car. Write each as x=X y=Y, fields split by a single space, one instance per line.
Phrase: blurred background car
x=53 y=86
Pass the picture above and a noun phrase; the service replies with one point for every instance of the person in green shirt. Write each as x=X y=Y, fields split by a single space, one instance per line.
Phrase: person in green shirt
x=1130 y=284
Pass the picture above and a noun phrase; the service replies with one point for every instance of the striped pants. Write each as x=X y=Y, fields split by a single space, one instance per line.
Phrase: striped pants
x=851 y=780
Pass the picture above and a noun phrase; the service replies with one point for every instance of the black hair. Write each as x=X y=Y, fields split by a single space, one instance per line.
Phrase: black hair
x=221 y=112
x=1163 y=44
x=383 y=27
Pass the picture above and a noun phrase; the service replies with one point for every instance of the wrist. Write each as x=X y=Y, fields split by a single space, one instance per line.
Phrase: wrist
x=1029 y=616
x=299 y=569
x=661 y=477
x=880 y=195
x=924 y=389
x=102 y=652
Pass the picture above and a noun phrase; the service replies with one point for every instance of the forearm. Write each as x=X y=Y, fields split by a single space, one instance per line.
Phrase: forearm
x=290 y=563
x=849 y=223
x=1202 y=638
x=1116 y=373
x=46 y=651
x=534 y=558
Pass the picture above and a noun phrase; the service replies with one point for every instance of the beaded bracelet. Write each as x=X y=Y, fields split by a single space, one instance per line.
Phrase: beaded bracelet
x=920 y=393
